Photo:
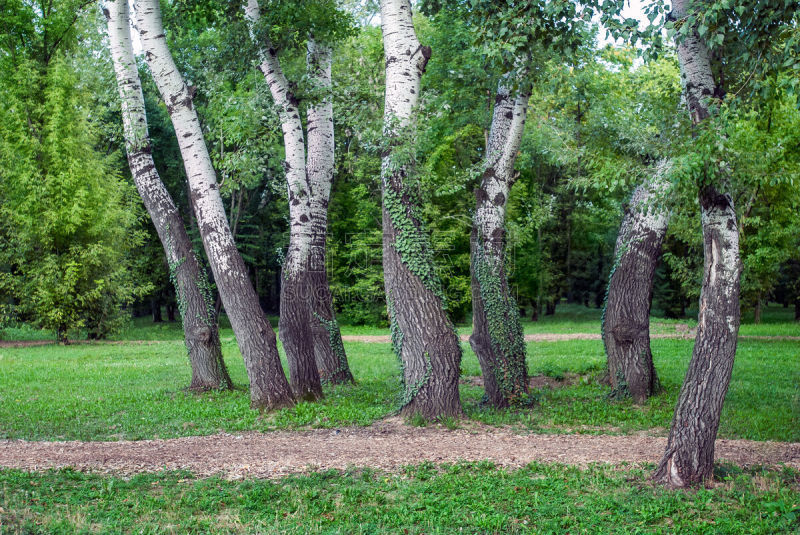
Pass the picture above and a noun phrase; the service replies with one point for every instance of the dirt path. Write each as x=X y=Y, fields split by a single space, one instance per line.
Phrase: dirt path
x=560 y=337
x=386 y=445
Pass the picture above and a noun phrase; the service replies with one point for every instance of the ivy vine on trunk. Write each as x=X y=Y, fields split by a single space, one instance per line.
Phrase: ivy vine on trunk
x=497 y=337
x=423 y=336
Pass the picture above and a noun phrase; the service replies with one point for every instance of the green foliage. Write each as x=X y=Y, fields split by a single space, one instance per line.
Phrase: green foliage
x=70 y=223
x=287 y=27
x=755 y=152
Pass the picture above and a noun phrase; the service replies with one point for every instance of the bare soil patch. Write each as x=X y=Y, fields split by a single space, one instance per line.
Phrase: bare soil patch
x=387 y=445
x=563 y=337
x=535 y=381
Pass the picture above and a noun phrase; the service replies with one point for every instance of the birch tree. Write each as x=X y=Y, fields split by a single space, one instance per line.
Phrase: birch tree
x=308 y=327
x=626 y=318
x=269 y=388
x=689 y=455
x=497 y=337
x=423 y=337
x=192 y=290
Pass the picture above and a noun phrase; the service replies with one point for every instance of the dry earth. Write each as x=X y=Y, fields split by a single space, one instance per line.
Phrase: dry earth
x=561 y=337
x=387 y=445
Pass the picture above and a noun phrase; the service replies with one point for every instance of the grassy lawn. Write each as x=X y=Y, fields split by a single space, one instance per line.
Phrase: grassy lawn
x=461 y=498
x=135 y=391
x=776 y=321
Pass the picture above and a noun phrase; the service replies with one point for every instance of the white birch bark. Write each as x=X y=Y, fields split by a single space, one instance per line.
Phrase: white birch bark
x=268 y=386
x=199 y=323
x=505 y=137
x=298 y=185
x=328 y=347
x=689 y=455
x=497 y=337
x=296 y=297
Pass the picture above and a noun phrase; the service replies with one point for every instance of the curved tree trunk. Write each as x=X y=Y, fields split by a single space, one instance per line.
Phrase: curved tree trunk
x=328 y=347
x=423 y=336
x=192 y=290
x=497 y=337
x=268 y=386
x=626 y=318
x=689 y=456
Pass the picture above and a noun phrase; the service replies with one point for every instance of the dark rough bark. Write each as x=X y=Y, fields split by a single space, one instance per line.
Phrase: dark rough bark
x=327 y=339
x=689 y=456
x=626 y=318
x=296 y=336
x=189 y=280
x=423 y=336
x=500 y=348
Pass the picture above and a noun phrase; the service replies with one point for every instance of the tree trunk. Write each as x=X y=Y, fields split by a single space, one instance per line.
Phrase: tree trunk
x=155 y=310
x=308 y=327
x=192 y=290
x=171 y=312
x=268 y=386
x=757 y=311
x=423 y=336
x=328 y=347
x=626 y=318
x=497 y=337
x=689 y=456
x=797 y=309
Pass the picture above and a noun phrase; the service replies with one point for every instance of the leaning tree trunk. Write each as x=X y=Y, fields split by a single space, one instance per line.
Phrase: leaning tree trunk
x=328 y=347
x=192 y=290
x=423 y=336
x=306 y=334
x=497 y=337
x=626 y=318
x=269 y=388
x=689 y=456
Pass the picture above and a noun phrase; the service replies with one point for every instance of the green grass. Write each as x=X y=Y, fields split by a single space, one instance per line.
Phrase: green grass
x=135 y=391
x=461 y=498
x=776 y=321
